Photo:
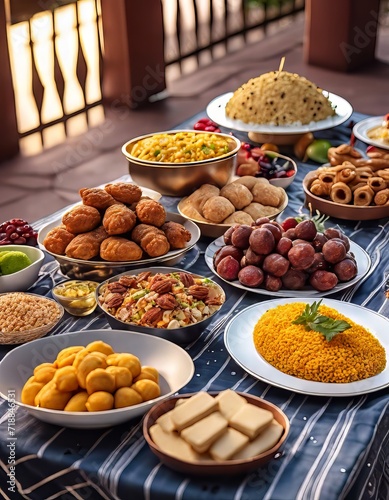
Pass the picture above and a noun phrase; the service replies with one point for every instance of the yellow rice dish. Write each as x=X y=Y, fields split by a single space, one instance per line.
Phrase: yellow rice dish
x=279 y=98
x=182 y=147
x=352 y=355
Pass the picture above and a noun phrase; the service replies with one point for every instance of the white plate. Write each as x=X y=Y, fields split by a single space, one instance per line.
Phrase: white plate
x=189 y=225
x=216 y=110
x=238 y=338
x=363 y=261
x=174 y=365
x=362 y=128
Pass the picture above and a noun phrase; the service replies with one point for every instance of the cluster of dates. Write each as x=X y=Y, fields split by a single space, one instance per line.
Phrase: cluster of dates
x=290 y=255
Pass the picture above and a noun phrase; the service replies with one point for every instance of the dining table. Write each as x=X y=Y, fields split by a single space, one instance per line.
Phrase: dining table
x=337 y=447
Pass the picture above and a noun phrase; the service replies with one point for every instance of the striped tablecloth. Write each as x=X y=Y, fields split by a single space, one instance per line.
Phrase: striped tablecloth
x=338 y=448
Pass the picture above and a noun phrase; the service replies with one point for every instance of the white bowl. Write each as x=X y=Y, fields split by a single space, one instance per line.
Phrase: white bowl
x=173 y=363
x=22 y=280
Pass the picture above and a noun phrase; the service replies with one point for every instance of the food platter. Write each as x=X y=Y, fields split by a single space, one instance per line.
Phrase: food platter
x=173 y=363
x=216 y=110
x=339 y=210
x=361 y=129
x=361 y=256
x=100 y=270
x=238 y=338
x=212 y=230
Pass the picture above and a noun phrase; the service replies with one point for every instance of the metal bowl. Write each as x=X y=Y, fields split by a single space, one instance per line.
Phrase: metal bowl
x=100 y=270
x=180 y=179
x=183 y=335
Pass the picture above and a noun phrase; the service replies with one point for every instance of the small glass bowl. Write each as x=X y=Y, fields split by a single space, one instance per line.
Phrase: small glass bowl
x=76 y=296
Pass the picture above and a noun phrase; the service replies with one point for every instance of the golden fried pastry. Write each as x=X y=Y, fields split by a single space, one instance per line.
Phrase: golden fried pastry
x=238 y=194
x=97 y=197
x=57 y=239
x=201 y=195
x=117 y=249
x=249 y=181
x=239 y=217
x=217 y=208
x=382 y=197
x=125 y=192
x=363 y=196
x=81 y=219
x=118 y=219
x=344 y=152
x=177 y=235
x=152 y=240
x=257 y=210
x=87 y=245
x=150 y=212
x=320 y=188
x=341 y=193
x=267 y=194
x=376 y=183
x=192 y=212
x=384 y=173
x=346 y=172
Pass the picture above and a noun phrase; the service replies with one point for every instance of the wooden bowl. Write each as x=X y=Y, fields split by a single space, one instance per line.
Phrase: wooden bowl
x=339 y=210
x=211 y=467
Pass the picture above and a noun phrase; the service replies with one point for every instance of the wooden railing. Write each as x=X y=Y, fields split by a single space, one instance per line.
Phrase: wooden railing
x=202 y=31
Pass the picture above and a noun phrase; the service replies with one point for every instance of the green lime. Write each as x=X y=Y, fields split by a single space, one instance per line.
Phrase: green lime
x=318 y=149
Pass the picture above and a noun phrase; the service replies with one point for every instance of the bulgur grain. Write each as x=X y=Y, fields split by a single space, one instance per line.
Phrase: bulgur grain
x=22 y=311
x=352 y=355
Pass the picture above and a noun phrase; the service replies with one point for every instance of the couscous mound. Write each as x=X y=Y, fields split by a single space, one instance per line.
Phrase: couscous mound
x=279 y=98
x=352 y=355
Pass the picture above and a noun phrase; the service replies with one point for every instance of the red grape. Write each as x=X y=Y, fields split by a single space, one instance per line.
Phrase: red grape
x=17 y=231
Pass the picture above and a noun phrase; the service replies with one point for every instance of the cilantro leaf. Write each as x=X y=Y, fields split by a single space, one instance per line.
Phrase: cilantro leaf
x=312 y=320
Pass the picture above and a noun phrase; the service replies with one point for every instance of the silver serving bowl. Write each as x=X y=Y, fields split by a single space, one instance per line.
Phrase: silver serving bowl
x=182 y=335
x=100 y=270
x=181 y=179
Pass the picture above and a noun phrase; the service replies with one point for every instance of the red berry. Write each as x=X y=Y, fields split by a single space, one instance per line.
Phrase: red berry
x=217 y=129
x=289 y=173
x=204 y=120
x=210 y=128
x=289 y=223
x=199 y=126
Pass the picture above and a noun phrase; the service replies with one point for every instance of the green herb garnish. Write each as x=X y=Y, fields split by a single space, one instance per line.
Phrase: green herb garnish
x=157 y=152
x=312 y=320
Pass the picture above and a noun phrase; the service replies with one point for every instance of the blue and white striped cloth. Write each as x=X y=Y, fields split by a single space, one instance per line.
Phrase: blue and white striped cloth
x=338 y=448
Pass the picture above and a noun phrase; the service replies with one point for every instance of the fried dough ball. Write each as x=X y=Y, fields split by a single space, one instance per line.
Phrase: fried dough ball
x=239 y=217
x=125 y=192
x=57 y=239
x=87 y=245
x=238 y=194
x=148 y=389
x=177 y=235
x=150 y=212
x=97 y=197
x=200 y=196
x=257 y=210
x=77 y=402
x=99 y=346
x=217 y=208
x=267 y=194
x=81 y=219
x=100 y=401
x=118 y=219
x=125 y=396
